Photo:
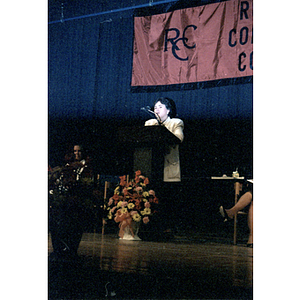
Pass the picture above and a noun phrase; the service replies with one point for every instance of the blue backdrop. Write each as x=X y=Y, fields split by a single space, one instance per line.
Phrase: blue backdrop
x=90 y=63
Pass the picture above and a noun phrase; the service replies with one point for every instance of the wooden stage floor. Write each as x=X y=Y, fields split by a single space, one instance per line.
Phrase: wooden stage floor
x=183 y=268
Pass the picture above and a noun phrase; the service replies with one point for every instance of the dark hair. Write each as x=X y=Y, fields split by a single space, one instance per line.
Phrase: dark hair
x=170 y=104
x=70 y=157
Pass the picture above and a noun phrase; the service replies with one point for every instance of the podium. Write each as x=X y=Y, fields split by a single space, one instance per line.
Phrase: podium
x=146 y=147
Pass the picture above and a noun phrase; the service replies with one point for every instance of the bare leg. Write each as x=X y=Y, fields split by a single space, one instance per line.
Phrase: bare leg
x=250 y=223
x=242 y=203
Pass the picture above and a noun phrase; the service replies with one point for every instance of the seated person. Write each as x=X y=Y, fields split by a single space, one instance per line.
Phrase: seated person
x=245 y=200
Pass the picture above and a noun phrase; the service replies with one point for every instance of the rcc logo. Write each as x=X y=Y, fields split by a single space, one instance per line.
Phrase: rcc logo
x=176 y=39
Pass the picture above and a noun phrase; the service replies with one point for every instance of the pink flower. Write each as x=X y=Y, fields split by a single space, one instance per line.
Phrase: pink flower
x=139 y=189
x=124 y=203
x=113 y=209
x=110 y=202
x=146 y=220
x=133 y=212
x=151 y=192
x=147 y=204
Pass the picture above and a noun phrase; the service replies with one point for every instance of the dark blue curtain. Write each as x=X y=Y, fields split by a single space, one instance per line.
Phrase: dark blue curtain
x=90 y=63
x=72 y=67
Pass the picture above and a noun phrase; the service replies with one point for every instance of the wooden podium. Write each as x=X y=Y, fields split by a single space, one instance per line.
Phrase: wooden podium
x=147 y=146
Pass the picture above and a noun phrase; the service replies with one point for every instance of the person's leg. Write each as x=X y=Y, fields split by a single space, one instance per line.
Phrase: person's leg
x=241 y=204
x=250 y=224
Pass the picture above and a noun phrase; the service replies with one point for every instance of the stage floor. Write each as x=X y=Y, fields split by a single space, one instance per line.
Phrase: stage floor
x=185 y=267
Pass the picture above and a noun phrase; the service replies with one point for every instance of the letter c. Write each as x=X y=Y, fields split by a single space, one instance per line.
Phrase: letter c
x=242 y=68
x=232 y=31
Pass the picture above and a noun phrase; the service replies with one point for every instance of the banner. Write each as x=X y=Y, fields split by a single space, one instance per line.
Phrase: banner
x=195 y=44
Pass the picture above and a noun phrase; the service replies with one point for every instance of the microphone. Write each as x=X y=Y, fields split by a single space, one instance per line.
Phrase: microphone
x=148 y=110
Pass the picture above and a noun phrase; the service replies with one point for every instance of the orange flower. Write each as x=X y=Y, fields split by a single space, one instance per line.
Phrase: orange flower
x=138 y=173
x=146 y=181
x=138 y=204
x=115 y=197
x=122 y=180
x=155 y=200
x=137 y=201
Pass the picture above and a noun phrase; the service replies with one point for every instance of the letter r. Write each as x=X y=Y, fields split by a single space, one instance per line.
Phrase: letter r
x=172 y=40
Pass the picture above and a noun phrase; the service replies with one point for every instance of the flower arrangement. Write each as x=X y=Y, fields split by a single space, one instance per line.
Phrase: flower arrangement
x=133 y=201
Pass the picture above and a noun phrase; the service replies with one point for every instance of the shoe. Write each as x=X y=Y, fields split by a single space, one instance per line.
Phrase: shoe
x=223 y=213
x=250 y=245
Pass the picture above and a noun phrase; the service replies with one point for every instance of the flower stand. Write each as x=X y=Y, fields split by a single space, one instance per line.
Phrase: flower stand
x=130 y=232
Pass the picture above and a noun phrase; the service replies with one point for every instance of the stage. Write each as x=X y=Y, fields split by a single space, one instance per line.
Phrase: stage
x=186 y=266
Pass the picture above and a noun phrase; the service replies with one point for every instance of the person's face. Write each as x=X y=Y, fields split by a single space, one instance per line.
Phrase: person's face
x=77 y=152
x=161 y=110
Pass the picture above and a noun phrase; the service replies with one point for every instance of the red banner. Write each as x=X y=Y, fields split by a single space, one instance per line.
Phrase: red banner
x=203 y=43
